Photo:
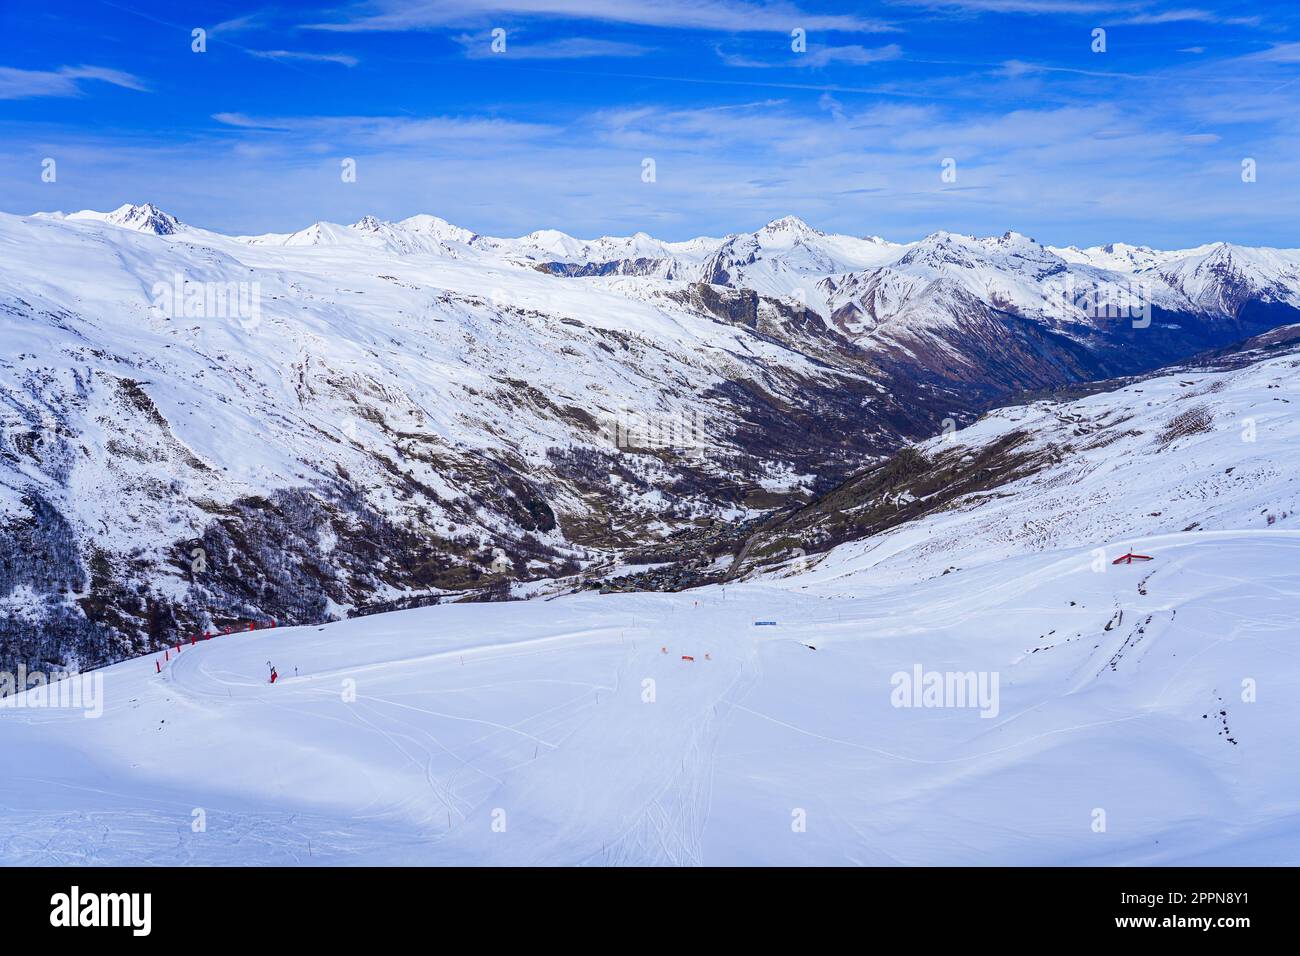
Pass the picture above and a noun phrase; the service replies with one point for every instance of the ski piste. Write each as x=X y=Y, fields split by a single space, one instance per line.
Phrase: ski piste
x=1130 y=723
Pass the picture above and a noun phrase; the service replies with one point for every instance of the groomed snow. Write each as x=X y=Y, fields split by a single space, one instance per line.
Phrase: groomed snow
x=534 y=714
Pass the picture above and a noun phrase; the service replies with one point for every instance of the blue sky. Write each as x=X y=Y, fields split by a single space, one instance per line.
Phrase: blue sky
x=1142 y=143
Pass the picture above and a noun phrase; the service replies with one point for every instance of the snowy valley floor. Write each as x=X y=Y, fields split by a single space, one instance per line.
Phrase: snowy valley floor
x=521 y=733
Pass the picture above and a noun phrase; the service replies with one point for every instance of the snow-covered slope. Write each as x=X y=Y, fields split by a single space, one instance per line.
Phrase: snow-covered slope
x=418 y=234
x=920 y=303
x=1207 y=447
x=1118 y=714
x=199 y=428
x=788 y=257
x=1122 y=257
x=1224 y=277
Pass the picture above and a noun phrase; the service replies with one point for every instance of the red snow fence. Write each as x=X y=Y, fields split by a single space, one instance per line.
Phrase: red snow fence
x=207 y=636
x=1130 y=558
x=238 y=628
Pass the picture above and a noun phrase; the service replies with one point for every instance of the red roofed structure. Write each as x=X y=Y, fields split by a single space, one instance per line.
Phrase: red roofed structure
x=1130 y=558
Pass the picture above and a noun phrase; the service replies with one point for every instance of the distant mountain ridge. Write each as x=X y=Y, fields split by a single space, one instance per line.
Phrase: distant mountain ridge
x=384 y=413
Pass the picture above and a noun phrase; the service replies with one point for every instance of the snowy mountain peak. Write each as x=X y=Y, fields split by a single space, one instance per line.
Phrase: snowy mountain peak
x=553 y=242
x=788 y=228
x=1122 y=248
x=438 y=228
x=938 y=249
x=317 y=234
x=145 y=217
x=1012 y=238
x=422 y=233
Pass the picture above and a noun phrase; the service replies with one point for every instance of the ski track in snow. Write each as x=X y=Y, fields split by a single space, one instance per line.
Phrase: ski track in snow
x=536 y=709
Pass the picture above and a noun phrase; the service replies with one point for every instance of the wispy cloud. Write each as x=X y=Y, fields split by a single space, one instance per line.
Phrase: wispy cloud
x=1018 y=68
x=1187 y=15
x=1091 y=172
x=251 y=21
x=1060 y=143
x=342 y=58
x=1126 y=12
x=852 y=54
x=16 y=84
x=479 y=46
x=371 y=132
x=1279 y=53
x=729 y=15
x=1037 y=7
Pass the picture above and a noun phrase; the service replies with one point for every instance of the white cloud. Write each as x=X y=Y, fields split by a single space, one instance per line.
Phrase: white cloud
x=342 y=58
x=1018 y=68
x=730 y=15
x=1077 y=168
x=1279 y=53
x=570 y=48
x=16 y=84
x=1044 y=7
x=251 y=21
x=852 y=54
x=375 y=132
x=1187 y=15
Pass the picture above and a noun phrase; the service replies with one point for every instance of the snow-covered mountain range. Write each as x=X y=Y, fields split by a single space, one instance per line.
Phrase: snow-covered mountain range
x=200 y=428
x=1086 y=712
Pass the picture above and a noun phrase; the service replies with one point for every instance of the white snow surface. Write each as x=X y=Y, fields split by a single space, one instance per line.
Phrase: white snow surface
x=527 y=733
